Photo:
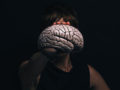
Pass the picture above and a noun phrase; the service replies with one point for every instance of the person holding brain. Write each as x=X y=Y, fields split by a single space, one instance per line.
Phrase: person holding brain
x=52 y=67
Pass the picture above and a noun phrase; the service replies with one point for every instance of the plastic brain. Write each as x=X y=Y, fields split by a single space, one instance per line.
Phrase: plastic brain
x=63 y=37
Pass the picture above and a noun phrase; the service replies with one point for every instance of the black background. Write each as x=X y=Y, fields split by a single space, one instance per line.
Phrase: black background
x=99 y=23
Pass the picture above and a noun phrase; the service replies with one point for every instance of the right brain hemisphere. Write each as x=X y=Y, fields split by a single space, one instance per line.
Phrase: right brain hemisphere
x=63 y=37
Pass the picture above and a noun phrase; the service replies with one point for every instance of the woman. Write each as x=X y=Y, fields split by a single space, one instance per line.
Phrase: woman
x=55 y=69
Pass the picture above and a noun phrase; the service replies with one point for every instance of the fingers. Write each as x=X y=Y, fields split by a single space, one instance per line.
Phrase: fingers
x=63 y=22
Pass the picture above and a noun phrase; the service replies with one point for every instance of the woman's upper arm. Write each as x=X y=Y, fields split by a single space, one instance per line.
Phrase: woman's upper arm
x=96 y=80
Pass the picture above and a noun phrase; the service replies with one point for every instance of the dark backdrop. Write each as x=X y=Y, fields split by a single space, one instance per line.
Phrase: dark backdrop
x=99 y=23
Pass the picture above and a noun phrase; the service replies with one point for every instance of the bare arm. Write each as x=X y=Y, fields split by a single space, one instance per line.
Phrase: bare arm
x=96 y=80
x=29 y=71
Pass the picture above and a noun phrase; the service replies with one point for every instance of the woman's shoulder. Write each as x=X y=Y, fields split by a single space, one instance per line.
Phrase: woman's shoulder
x=96 y=79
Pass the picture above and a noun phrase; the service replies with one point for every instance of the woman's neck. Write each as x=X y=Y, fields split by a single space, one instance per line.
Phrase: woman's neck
x=64 y=63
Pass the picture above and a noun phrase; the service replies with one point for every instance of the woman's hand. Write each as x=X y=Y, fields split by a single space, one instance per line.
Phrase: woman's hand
x=61 y=21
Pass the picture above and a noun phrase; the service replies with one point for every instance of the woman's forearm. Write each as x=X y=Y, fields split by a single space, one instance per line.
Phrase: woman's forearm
x=30 y=69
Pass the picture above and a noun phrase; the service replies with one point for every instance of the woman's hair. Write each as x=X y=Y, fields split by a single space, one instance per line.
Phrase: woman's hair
x=55 y=12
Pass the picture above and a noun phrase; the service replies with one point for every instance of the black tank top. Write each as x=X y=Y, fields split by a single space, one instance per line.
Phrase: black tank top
x=52 y=78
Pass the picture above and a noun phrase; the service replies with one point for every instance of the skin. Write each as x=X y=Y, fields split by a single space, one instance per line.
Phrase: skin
x=63 y=62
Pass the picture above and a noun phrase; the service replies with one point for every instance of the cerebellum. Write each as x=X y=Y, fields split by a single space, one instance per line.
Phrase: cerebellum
x=63 y=37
